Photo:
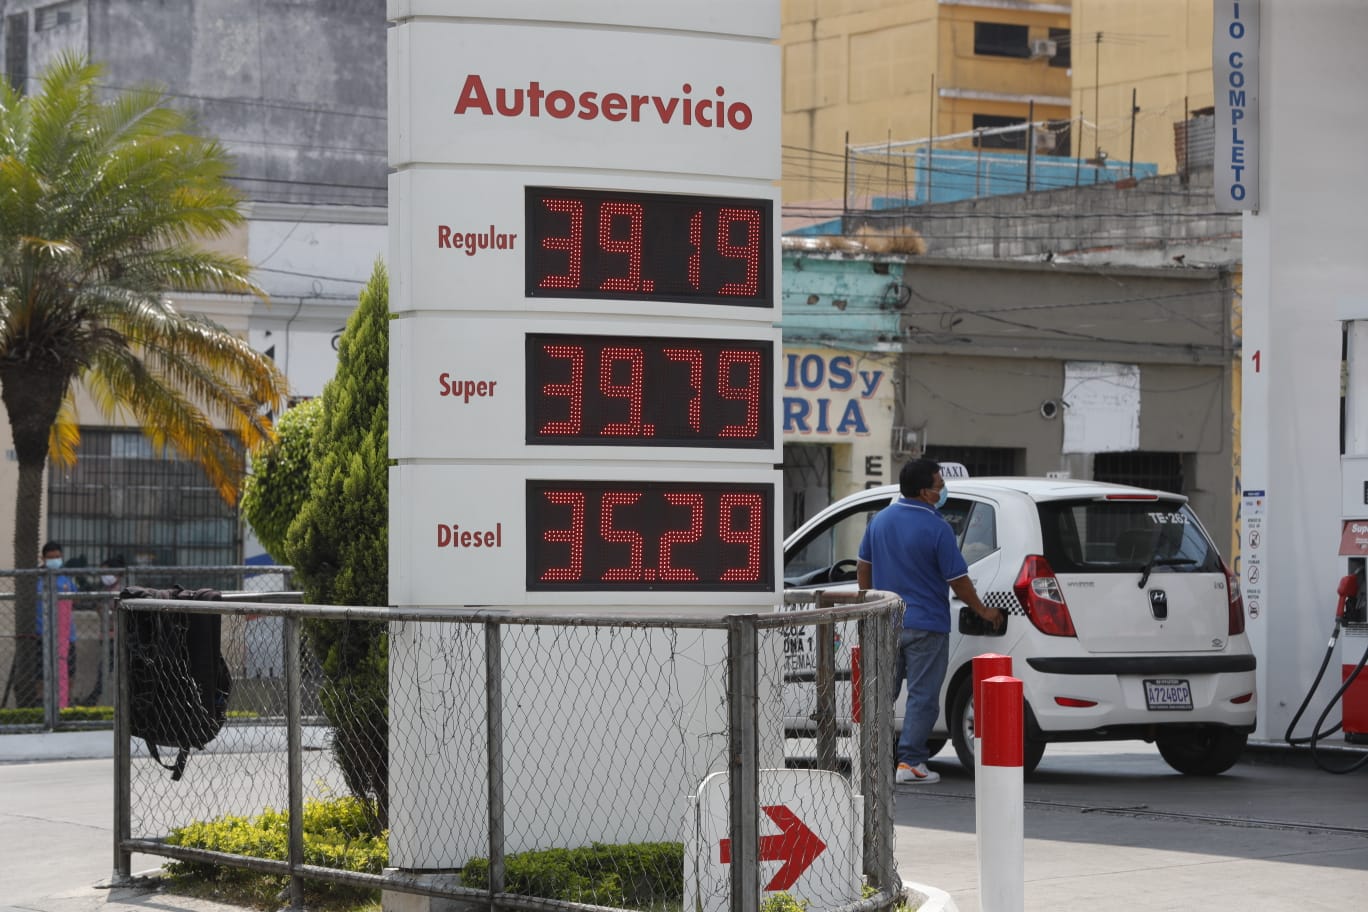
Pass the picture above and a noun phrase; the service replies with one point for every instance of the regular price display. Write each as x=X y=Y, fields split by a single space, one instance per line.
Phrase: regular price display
x=649 y=246
x=589 y=535
x=625 y=390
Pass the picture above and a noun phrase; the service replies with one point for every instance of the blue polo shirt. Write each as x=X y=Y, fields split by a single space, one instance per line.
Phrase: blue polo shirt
x=913 y=552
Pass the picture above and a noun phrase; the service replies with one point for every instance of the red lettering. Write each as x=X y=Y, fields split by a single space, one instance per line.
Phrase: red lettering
x=612 y=106
x=443 y=235
x=473 y=95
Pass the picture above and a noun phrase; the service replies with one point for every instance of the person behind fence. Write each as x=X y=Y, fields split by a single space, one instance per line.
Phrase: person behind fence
x=909 y=549
x=110 y=581
x=66 y=630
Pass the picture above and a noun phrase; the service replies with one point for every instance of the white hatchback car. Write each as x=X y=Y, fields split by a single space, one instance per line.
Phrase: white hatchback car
x=1123 y=620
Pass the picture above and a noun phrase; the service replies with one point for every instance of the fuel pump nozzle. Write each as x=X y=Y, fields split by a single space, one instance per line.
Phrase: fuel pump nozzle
x=1348 y=589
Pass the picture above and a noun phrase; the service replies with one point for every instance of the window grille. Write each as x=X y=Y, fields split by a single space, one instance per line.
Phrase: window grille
x=124 y=498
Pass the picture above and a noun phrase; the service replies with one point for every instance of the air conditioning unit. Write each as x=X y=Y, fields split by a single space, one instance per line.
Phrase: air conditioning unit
x=1044 y=47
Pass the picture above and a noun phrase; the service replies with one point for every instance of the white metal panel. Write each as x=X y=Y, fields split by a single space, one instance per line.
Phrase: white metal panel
x=608 y=99
x=721 y=17
x=431 y=277
x=459 y=389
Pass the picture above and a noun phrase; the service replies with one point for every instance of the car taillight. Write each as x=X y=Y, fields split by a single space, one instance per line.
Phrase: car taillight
x=1235 y=607
x=1039 y=593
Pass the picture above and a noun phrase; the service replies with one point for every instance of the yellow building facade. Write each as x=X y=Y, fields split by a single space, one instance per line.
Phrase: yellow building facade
x=865 y=72
x=870 y=71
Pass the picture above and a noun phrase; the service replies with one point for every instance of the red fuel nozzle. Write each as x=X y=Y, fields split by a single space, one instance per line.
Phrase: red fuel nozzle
x=1348 y=588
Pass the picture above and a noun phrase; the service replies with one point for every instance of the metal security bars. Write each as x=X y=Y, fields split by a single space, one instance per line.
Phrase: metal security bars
x=504 y=734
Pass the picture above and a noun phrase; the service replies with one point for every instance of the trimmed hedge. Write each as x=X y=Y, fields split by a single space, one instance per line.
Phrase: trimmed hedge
x=640 y=876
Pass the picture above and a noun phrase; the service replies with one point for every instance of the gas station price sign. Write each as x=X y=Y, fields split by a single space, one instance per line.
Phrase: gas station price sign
x=629 y=390
x=617 y=245
x=649 y=535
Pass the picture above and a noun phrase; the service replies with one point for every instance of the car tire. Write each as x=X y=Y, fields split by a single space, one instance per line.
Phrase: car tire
x=1203 y=751
x=934 y=746
x=962 y=732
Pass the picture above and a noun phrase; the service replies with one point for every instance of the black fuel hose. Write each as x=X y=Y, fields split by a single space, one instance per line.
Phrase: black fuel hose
x=1316 y=732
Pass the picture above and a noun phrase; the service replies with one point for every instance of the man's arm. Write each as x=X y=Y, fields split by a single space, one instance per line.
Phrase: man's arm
x=864 y=574
x=963 y=587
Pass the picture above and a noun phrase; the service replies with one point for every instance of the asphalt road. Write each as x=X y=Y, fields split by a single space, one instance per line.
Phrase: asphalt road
x=1113 y=827
x=1108 y=827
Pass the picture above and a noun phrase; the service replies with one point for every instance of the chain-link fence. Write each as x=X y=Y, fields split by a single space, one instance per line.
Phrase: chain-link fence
x=525 y=760
x=57 y=636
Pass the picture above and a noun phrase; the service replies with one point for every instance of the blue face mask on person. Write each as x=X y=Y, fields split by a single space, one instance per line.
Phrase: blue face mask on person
x=53 y=563
x=944 y=496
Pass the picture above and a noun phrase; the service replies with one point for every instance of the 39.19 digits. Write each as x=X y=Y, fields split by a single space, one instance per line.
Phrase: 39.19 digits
x=649 y=535
x=648 y=246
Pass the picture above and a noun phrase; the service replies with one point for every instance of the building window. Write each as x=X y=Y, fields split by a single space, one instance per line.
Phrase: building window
x=16 y=51
x=123 y=497
x=980 y=461
x=54 y=16
x=998 y=39
x=1063 y=56
x=1011 y=139
x=1161 y=471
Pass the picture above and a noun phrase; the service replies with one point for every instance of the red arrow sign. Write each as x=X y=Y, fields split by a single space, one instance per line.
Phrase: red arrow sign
x=796 y=846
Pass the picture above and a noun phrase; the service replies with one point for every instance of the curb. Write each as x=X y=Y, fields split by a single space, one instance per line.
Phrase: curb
x=932 y=899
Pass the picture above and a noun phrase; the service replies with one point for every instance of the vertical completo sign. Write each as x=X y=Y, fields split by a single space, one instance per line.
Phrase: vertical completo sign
x=1235 y=72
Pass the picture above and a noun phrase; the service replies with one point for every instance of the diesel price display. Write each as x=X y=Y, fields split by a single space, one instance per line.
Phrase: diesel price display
x=649 y=535
x=629 y=390
x=611 y=245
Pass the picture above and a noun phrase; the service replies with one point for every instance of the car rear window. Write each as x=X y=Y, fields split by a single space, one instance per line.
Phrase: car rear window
x=1122 y=536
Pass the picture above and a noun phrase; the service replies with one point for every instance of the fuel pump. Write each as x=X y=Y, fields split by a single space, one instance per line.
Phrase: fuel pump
x=1350 y=614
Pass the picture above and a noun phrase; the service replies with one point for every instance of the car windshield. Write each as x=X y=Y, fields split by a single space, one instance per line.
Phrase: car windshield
x=1125 y=536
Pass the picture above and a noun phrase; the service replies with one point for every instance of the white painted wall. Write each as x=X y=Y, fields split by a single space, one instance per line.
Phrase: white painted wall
x=1303 y=264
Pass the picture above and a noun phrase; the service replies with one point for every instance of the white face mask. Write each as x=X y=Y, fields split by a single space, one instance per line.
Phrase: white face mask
x=109 y=579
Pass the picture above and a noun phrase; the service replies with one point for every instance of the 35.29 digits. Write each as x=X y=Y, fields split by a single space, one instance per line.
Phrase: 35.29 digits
x=587 y=535
x=648 y=246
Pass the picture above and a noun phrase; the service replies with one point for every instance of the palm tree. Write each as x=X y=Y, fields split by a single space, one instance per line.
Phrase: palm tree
x=104 y=203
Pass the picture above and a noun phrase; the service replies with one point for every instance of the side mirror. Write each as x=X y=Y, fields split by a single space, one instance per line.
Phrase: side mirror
x=970 y=624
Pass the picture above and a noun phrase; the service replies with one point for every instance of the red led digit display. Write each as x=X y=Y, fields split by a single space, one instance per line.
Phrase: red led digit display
x=649 y=246
x=627 y=390
x=622 y=535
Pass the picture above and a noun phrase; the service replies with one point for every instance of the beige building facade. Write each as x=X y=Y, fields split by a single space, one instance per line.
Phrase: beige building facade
x=863 y=72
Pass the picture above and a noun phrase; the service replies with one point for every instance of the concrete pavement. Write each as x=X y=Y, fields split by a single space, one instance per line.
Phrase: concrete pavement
x=1105 y=825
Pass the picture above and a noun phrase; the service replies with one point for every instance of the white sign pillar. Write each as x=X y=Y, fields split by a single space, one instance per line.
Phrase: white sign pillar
x=584 y=250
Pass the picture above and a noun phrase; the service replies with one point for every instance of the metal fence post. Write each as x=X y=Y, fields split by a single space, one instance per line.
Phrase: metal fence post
x=494 y=738
x=50 y=650
x=123 y=813
x=295 y=762
x=743 y=775
x=877 y=654
x=826 y=690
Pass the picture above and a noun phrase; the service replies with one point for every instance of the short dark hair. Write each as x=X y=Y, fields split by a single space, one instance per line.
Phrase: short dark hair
x=918 y=475
x=50 y=546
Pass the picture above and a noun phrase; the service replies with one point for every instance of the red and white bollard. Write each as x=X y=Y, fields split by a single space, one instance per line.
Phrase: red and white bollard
x=998 y=795
x=987 y=665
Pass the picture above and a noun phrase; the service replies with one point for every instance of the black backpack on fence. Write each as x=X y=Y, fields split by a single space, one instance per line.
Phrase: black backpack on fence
x=178 y=680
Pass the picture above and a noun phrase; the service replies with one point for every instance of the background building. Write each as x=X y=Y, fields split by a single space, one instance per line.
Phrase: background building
x=296 y=92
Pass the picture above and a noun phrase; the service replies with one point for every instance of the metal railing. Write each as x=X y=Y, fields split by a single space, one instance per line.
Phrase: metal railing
x=508 y=732
x=65 y=660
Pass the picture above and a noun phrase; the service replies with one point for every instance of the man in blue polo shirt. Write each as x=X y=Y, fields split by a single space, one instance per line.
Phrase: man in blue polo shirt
x=909 y=548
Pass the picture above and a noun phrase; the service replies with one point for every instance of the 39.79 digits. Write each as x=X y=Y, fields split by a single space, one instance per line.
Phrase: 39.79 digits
x=648 y=246
x=654 y=392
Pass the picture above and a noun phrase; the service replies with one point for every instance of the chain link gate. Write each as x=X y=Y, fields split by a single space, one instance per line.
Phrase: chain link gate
x=310 y=733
